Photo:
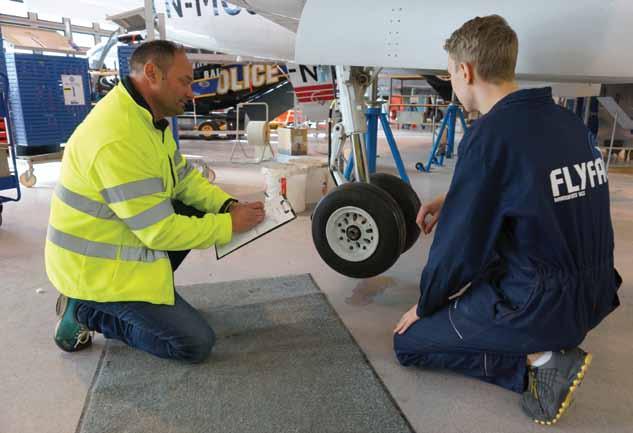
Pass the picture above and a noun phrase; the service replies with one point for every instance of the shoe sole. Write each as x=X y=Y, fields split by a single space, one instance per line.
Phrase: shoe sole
x=569 y=397
x=60 y=305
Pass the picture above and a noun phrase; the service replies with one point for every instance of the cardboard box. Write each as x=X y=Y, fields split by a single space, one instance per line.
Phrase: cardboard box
x=292 y=141
x=4 y=162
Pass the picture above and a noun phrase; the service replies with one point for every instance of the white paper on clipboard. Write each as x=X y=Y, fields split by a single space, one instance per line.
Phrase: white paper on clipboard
x=278 y=213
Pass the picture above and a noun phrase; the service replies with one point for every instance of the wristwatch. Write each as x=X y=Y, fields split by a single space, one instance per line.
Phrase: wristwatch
x=228 y=205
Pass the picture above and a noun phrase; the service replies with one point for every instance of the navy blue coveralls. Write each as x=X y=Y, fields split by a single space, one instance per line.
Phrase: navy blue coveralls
x=526 y=222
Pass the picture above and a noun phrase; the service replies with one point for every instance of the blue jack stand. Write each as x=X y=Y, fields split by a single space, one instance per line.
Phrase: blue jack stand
x=371 y=143
x=175 y=131
x=450 y=119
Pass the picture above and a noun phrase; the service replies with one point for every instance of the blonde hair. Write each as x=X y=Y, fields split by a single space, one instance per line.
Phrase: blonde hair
x=489 y=44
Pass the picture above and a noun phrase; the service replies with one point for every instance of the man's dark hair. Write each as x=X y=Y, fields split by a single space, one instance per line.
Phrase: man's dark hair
x=160 y=52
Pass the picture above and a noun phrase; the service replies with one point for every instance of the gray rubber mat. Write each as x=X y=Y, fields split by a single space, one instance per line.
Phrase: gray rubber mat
x=283 y=362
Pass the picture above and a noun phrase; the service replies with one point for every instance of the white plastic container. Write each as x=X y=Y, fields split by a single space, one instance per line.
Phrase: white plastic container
x=318 y=181
x=296 y=190
x=294 y=177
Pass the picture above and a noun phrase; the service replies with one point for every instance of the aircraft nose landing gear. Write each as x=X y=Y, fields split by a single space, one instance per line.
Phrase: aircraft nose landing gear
x=361 y=228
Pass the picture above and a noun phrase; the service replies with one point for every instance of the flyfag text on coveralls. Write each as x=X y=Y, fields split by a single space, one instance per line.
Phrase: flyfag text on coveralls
x=593 y=173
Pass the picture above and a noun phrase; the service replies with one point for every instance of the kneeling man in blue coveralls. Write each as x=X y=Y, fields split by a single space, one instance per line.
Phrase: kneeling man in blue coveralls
x=526 y=224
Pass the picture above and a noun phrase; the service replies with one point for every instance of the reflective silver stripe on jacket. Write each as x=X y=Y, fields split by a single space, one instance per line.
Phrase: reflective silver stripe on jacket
x=81 y=246
x=141 y=254
x=102 y=250
x=128 y=191
x=83 y=204
x=150 y=216
x=184 y=171
x=100 y=210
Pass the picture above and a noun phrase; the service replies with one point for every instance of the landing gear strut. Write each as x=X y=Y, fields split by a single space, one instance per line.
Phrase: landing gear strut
x=361 y=228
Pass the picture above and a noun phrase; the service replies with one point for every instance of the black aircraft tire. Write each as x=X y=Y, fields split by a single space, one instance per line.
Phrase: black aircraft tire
x=357 y=230
x=408 y=200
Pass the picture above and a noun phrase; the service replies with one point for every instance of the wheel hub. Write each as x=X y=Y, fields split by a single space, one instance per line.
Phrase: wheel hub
x=352 y=233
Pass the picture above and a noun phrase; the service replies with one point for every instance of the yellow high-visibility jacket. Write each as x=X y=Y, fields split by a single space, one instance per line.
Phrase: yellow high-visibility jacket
x=112 y=218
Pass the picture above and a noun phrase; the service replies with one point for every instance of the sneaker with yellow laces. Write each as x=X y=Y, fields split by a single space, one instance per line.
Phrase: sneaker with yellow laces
x=552 y=385
x=70 y=335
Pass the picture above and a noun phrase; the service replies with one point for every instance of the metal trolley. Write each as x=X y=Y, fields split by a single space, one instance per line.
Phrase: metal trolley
x=7 y=142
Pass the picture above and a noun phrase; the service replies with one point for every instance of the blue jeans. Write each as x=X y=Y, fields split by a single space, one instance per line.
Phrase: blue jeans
x=174 y=332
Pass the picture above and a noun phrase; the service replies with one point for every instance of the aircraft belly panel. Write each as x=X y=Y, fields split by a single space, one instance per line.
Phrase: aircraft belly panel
x=577 y=40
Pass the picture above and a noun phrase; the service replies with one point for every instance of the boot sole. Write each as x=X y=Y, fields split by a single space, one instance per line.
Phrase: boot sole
x=569 y=397
x=60 y=305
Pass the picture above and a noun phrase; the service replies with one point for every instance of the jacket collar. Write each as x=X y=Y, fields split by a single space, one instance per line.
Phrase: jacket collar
x=140 y=100
x=541 y=95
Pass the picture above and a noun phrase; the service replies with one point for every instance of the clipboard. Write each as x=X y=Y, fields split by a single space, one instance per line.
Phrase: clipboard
x=279 y=212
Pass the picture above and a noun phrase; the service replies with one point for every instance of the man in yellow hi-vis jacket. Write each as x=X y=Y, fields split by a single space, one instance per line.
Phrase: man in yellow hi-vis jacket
x=127 y=209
